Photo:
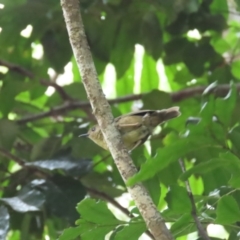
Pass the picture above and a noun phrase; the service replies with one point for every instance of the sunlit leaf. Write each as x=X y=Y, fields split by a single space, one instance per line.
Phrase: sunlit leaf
x=149 y=77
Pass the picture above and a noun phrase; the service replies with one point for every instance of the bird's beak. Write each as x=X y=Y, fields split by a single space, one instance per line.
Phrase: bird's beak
x=84 y=135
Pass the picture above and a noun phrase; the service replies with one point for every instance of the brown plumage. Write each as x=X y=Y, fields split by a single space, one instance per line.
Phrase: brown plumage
x=135 y=127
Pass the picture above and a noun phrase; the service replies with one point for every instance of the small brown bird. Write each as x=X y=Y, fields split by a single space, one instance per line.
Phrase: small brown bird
x=135 y=127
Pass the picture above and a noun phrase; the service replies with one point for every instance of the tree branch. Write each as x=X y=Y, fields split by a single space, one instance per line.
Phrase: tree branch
x=201 y=231
x=16 y=68
x=102 y=112
x=16 y=159
x=220 y=90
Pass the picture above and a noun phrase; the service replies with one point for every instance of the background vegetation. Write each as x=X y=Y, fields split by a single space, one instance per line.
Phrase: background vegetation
x=190 y=59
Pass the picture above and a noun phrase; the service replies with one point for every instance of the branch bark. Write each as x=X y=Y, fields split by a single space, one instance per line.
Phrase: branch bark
x=102 y=112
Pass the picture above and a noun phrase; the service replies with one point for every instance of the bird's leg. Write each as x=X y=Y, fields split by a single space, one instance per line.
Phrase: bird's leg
x=138 y=143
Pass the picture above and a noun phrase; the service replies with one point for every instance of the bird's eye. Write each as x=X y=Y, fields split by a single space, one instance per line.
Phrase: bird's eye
x=93 y=129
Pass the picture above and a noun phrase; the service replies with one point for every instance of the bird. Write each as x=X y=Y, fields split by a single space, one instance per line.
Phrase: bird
x=134 y=127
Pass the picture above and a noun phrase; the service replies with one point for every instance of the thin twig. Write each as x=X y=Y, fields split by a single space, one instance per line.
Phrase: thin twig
x=200 y=228
x=21 y=162
x=106 y=197
x=16 y=159
x=16 y=68
x=58 y=88
x=21 y=70
x=102 y=160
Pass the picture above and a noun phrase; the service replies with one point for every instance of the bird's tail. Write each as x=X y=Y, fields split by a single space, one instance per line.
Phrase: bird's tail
x=153 y=118
x=169 y=113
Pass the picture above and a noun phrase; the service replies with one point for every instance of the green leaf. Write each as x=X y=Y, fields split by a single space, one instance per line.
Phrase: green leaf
x=235 y=181
x=234 y=136
x=225 y=106
x=70 y=233
x=91 y=231
x=101 y=36
x=125 y=85
x=134 y=229
x=149 y=77
x=156 y=100
x=220 y=6
x=235 y=69
x=205 y=53
x=220 y=45
x=96 y=219
x=227 y=211
x=226 y=161
x=153 y=187
x=183 y=76
x=204 y=167
x=76 y=90
x=100 y=181
x=56 y=51
x=166 y=155
x=8 y=133
x=233 y=235
x=29 y=135
x=207 y=111
x=178 y=200
x=183 y=225
x=174 y=50
x=150 y=27
x=8 y=93
x=163 y=158
x=222 y=75
x=37 y=91
x=124 y=40
x=96 y=212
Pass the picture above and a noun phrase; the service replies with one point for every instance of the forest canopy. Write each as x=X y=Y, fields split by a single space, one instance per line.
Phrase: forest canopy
x=149 y=55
